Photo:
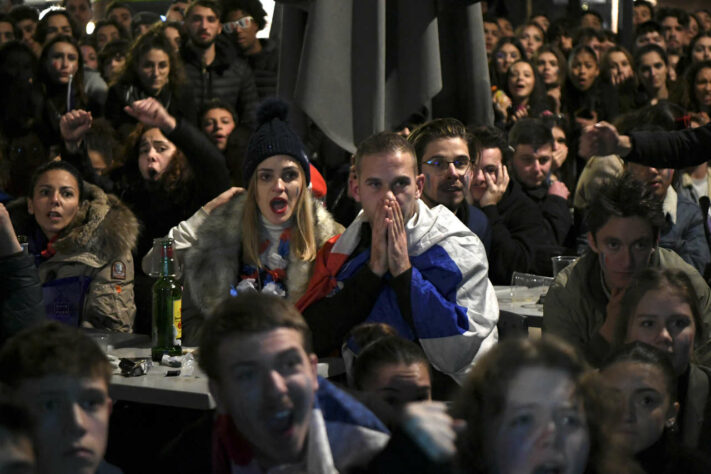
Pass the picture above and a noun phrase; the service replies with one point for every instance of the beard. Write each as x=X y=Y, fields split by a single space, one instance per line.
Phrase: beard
x=203 y=44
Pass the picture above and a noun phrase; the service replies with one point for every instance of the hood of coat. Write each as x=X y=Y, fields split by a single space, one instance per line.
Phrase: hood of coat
x=214 y=263
x=103 y=225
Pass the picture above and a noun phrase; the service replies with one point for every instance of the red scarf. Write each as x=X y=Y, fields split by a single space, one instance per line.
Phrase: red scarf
x=50 y=250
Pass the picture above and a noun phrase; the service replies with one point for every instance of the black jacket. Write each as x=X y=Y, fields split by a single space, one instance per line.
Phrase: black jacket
x=556 y=213
x=518 y=236
x=228 y=78
x=679 y=149
x=265 y=65
x=20 y=294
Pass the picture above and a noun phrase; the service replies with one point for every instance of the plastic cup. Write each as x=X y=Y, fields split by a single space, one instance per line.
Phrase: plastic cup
x=560 y=262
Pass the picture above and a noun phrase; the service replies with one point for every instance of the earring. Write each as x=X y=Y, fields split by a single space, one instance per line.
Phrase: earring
x=671 y=425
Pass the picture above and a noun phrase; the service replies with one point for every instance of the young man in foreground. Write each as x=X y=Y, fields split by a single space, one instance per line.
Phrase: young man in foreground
x=62 y=377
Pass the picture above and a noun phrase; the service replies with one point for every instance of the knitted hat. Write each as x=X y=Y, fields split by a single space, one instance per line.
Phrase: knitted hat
x=273 y=137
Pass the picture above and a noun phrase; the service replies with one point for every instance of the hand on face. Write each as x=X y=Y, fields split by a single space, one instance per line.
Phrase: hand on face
x=613 y=314
x=379 y=241
x=398 y=258
x=495 y=186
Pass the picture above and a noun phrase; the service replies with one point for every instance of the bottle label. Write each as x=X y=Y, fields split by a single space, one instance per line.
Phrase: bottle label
x=177 y=321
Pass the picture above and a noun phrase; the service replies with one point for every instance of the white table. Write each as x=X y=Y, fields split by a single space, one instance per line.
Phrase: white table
x=156 y=388
x=525 y=306
x=183 y=392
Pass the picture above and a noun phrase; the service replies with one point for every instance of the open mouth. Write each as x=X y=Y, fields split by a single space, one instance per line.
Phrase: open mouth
x=281 y=422
x=54 y=216
x=278 y=205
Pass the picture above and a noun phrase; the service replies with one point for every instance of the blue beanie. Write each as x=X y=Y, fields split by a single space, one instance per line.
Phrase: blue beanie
x=273 y=137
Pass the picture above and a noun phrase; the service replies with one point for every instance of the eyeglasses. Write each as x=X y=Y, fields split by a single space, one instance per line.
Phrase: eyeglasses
x=242 y=23
x=460 y=164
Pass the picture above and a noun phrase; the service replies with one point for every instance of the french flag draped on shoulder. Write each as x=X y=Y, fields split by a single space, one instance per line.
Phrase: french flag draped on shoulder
x=454 y=307
x=343 y=434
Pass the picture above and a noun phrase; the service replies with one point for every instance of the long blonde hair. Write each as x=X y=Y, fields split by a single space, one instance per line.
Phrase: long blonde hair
x=303 y=240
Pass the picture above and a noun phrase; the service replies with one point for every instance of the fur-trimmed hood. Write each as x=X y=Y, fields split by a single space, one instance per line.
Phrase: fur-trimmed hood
x=103 y=226
x=214 y=264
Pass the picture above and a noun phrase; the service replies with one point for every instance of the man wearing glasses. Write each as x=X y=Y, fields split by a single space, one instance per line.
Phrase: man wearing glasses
x=242 y=20
x=212 y=66
x=444 y=148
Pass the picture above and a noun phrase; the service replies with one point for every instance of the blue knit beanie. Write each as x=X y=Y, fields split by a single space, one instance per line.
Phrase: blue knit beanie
x=273 y=137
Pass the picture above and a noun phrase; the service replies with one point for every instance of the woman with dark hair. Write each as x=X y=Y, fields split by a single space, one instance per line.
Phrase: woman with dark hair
x=697 y=89
x=652 y=70
x=552 y=67
x=531 y=405
x=587 y=99
x=169 y=169
x=527 y=92
x=506 y=52
x=563 y=168
x=219 y=121
x=152 y=69
x=617 y=69
x=531 y=36
x=661 y=308
x=81 y=239
x=55 y=22
x=641 y=378
x=700 y=47
x=617 y=66
x=61 y=75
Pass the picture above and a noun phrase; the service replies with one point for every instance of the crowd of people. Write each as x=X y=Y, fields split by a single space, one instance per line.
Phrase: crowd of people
x=120 y=127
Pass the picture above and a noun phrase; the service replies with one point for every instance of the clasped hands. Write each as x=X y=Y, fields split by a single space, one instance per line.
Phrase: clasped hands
x=388 y=250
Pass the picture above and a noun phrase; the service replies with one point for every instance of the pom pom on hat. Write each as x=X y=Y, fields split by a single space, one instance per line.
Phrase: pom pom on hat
x=270 y=109
x=273 y=137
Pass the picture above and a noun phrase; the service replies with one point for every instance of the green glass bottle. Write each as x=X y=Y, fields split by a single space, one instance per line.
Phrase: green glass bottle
x=167 y=306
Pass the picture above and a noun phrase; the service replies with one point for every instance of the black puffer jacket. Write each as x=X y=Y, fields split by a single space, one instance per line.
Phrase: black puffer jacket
x=228 y=78
x=20 y=294
x=519 y=238
x=265 y=65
